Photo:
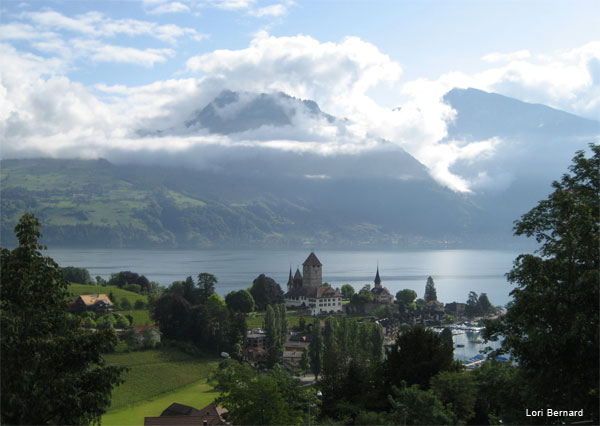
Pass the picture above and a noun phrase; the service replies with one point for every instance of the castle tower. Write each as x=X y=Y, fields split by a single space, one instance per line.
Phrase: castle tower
x=312 y=268
x=377 y=279
x=297 y=279
x=290 y=283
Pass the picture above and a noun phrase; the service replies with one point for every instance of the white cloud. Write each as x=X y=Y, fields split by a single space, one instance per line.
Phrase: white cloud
x=273 y=10
x=232 y=4
x=95 y=24
x=171 y=7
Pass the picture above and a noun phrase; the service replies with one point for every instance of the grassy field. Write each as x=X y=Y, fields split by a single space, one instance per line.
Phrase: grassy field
x=140 y=316
x=155 y=372
x=197 y=395
x=120 y=294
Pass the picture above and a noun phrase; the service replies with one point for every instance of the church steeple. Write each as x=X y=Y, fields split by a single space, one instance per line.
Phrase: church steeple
x=377 y=279
x=290 y=283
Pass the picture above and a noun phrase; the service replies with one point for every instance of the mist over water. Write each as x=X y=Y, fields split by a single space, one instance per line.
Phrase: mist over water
x=455 y=272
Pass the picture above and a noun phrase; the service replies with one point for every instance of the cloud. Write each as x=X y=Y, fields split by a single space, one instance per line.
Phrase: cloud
x=96 y=24
x=339 y=76
x=232 y=4
x=273 y=10
x=170 y=7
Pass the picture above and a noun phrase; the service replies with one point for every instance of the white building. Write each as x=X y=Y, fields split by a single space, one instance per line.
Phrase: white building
x=307 y=290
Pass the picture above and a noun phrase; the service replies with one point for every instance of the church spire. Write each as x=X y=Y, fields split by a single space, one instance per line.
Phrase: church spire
x=290 y=283
x=377 y=279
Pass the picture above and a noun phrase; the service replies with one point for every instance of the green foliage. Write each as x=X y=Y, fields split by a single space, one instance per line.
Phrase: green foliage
x=76 y=275
x=139 y=304
x=265 y=292
x=125 y=303
x=274 y=339
x=268 y=399
x=430 y=292
x=206 y=287
x=240 y=301
x=459 y=390
x=52 y=370
x=130 y=281
x=417 y=355
x=347 y=291
x=315 y=350
x=551 y=325
x=406 y=299
x=413 y=406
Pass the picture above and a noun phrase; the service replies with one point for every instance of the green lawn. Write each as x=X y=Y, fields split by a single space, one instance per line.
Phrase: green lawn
x=140 y=317
x=197 y=395
x=119 y=294
x=155 y=372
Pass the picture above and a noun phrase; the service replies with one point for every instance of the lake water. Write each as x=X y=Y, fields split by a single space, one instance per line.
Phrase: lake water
x=455 y=272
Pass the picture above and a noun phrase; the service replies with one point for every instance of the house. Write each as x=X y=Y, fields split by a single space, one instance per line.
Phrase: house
x=140 y=331
x=179 y=414
x=433 y=310
x=99 y=303
x=291 y=345
x=380 y=293
x=306 y=290
x=256 y=340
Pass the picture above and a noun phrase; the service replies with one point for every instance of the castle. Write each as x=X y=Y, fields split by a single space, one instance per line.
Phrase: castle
x=306 y=290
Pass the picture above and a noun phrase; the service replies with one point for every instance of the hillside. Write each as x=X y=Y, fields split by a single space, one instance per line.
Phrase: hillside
x=95 y=203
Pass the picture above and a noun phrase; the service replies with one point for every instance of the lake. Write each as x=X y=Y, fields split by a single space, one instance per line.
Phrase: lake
x=455 y=272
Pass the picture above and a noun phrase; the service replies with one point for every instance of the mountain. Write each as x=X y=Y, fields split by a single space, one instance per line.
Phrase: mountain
x=533 y=146
x=233 y=112
x=246 y=195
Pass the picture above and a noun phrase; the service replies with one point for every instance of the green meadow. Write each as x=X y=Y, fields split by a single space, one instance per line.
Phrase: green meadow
x=119 y=294
x=197 y=395
x=155 y=379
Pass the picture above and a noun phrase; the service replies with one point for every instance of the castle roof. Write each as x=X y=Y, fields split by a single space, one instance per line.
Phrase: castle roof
x=297 y=275
x=312 y=260
x=313 y=292
x=290 y=279
x=377 y=279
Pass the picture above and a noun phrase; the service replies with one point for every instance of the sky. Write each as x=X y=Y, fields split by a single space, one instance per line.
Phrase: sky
x=80 y=78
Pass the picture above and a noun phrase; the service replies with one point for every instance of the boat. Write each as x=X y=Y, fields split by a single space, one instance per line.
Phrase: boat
x=460 y=345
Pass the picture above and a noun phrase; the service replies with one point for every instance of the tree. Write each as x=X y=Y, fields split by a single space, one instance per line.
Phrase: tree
x=125 y=304
x=139 y=304
x=172 y=313
x=417 y=356
x=265 y=292
x=406 y=299
x=273 y=342
x=52 y=370
x=551 y=325
x=315 y=349
x=430 y=292
x=76 y=275
x=459 y=389
x=206 y=286
x=347 y=291
x=240 y=301
x=484 y=305
x=414 y=406
x=472 y=308
x=256 y=398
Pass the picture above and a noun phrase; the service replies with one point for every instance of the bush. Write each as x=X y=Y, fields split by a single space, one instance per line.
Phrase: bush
x=139 y=304
x=135 y=288
x=125 y=304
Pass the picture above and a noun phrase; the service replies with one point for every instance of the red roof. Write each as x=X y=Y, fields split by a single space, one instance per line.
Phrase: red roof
x=312 y=260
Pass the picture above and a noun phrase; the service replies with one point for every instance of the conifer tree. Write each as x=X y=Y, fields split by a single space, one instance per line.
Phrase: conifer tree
x=430 y=292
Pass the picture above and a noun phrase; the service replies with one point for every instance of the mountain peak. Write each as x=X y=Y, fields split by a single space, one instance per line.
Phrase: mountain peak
x=234 y=112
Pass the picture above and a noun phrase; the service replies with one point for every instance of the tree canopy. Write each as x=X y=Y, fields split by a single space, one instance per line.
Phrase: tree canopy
x=551 y=324
x=52 y=370
x=265 y=292
x=430 y=292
